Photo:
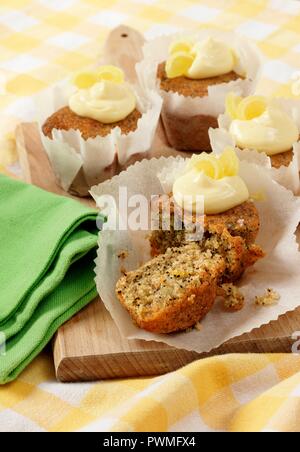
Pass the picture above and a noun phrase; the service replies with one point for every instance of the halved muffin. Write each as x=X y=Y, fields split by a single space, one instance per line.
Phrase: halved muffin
x=231 y=234
x=173 y=291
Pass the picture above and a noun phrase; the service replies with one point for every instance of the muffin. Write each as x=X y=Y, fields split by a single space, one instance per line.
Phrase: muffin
x=194 y=255
x=227 y=222
x=193 y=75
x=66 y=119
x=173 y=291
x=102 y=125
x=180 y=131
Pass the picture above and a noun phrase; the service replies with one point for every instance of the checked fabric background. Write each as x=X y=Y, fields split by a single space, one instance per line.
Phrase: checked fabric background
x=41 y=42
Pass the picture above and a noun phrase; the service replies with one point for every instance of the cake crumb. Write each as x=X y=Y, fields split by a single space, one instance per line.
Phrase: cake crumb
x=233 y=299
x=123 y=271
x=268 y=299
x=123 y=254
x=188 y=330
x=198 y=326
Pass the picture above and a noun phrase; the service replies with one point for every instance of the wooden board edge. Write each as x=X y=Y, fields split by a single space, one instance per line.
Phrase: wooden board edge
x=153 y=363
x=22 y=153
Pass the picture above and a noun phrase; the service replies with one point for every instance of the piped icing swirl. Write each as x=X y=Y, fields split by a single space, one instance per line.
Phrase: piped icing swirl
x=103 y=95
x=212 y=179
x=260 y=125
x=200 y=60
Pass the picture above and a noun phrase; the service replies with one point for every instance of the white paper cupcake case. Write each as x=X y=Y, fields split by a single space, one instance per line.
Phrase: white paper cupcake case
x=156 y=51
x=99 y=158
x=288 y=176
x=279 y=215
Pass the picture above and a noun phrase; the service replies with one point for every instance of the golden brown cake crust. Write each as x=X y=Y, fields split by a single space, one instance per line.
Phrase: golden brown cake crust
x=188 y=133
x=283 y=159
x=242 y=220
x=193 y=88
x=185 y=313
x=66 y=119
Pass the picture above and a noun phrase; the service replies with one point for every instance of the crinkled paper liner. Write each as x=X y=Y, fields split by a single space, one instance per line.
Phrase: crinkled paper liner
x=288 y=176
x=79 y=164
x=279 y=215
x=156 y=51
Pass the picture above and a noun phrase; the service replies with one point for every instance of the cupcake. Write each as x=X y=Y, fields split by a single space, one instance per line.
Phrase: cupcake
x=193 y=76
x=269 y=127
x=178 y=287
x=100 y=125
x=231 y=221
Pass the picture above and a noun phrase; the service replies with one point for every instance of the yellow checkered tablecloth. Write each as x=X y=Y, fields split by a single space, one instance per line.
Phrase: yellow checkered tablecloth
x=41 y=41
x=235 y=393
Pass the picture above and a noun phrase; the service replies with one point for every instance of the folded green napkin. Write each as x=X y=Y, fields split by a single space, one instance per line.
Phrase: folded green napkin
x=47 y=251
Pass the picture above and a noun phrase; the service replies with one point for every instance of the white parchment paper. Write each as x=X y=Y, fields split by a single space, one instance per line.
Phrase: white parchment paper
x=279 y=215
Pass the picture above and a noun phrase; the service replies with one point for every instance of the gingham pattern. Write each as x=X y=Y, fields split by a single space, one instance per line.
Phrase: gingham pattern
x=234 y=393
x=41 y=41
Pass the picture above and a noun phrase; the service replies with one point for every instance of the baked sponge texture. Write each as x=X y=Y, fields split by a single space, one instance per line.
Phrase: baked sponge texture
x=174 y=290
x=231 y=234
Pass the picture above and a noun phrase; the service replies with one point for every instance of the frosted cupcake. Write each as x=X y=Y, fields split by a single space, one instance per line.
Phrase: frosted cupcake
x=100 y=125
x=102 y=102
x=193 y=75
x=269 y=127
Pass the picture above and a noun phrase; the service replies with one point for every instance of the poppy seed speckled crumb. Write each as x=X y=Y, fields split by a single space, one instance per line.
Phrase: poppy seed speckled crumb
x=173 y=291
x=224 y=234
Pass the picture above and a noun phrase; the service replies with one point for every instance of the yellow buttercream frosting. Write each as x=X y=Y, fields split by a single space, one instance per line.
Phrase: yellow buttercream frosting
x=212 y=58
x=257 y=124
x=102 y=95
x=203 y=59
x=213 y=179
x=178 y=64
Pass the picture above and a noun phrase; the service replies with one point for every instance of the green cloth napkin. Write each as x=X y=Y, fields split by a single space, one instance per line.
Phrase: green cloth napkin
x=47 y=250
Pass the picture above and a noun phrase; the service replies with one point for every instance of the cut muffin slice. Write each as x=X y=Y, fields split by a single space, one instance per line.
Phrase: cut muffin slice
x=242 y=221
x=173 y=291
x=231 y=234
x=238 y=256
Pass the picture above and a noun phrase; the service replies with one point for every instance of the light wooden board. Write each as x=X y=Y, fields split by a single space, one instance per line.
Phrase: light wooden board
x=89 y=346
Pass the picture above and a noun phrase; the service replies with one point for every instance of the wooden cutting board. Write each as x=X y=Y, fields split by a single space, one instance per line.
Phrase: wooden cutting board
x=89 y=346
